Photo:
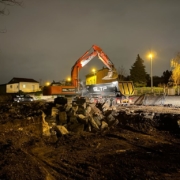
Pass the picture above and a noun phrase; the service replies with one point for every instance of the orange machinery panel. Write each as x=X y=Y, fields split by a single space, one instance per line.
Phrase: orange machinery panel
x=59 y=90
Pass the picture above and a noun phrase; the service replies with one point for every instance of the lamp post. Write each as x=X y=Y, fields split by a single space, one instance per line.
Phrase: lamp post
x=93 y=70
x=150 y=56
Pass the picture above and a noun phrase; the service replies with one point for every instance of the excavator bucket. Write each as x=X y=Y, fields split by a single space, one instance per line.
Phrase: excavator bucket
x=111 y=75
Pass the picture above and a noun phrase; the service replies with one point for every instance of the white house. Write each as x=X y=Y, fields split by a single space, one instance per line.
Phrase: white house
x=22 y=84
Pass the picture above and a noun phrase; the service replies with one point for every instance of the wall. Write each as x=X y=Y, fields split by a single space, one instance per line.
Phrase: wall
x=12 y=88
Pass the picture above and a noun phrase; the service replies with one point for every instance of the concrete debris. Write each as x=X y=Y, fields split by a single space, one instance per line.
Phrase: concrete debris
x=104 y=125
x=60 y=130
x=62 y=118
x=59 y=120
x=45 y=126
x=97 y=120
x=93 y=123
x=54 y=111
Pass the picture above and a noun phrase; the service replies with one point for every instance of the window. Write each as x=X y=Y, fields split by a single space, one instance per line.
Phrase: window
x=24 y=86
x=17 y=86
x=10 y=86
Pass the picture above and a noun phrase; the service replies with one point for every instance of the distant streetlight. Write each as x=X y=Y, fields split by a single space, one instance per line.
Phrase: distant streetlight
x=94 y=71
x=48 y=83
x=150 y=56
x=69 y=79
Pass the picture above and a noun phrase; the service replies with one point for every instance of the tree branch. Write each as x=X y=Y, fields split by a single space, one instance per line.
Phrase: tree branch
x=5 y=11
x=11 y=2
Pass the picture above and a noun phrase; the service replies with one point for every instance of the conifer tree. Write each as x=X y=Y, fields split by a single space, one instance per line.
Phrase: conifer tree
x=138 y=73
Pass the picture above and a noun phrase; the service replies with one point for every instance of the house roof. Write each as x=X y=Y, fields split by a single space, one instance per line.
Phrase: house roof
x=18 y=80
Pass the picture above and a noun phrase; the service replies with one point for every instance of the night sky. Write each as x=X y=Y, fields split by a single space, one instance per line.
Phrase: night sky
x=44 y=38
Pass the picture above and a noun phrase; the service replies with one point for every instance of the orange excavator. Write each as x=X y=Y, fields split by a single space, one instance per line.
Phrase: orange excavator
x=81 y=62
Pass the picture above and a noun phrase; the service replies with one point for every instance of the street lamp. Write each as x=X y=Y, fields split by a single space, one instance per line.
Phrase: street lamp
x=150 y=56
x=94 y=71
x=47 y=83
x=68 y=81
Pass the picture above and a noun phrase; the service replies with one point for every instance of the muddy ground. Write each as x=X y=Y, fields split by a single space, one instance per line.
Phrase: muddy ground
x=136 y=148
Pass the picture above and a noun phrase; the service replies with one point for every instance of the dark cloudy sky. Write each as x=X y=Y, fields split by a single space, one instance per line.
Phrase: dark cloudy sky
x=44 y=38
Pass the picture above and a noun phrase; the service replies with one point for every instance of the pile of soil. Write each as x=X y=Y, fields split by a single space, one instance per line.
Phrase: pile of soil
x=126 y=151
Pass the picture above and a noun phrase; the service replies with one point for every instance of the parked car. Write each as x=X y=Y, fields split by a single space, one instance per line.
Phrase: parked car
x=22 y=98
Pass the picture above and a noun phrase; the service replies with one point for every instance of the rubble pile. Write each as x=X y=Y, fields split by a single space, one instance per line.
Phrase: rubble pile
x=78 y=118
x=61 y=119
x=101 y=117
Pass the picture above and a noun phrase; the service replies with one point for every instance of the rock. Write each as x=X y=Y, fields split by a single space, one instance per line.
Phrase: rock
x=115 y=123
x=82 y=119
x=45 y=126
x=60 y=130
x=74 y=108
x=107 y=105
x=81 y=110
x=93 y=123
x=54 y=111
x=88 y=109
x=62 y=118
x=67 y=107
x=51 y=120
x=20 y=129
x=97 y=120
x=114 y=108
x=94 y=109
x=104 y=125
x=81 y=116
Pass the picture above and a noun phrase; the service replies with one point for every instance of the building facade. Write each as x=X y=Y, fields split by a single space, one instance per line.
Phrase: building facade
x=22 y=84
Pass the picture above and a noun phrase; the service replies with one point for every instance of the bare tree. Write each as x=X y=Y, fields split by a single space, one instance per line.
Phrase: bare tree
x=121 y=73
x=5 y=3
x=5 y=11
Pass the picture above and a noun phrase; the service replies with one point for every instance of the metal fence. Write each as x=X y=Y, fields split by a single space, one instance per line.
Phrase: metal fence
x=157 y=90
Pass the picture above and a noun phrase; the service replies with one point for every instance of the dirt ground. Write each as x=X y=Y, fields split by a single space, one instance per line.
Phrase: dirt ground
x=143 y=151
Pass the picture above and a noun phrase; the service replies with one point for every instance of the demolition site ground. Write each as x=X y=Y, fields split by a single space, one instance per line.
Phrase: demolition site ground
x=143 y=145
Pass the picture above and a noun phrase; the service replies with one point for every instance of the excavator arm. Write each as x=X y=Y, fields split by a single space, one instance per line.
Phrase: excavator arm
x=86 y=58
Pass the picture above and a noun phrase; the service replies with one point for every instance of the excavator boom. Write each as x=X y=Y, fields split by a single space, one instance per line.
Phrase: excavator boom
x=86 y=58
